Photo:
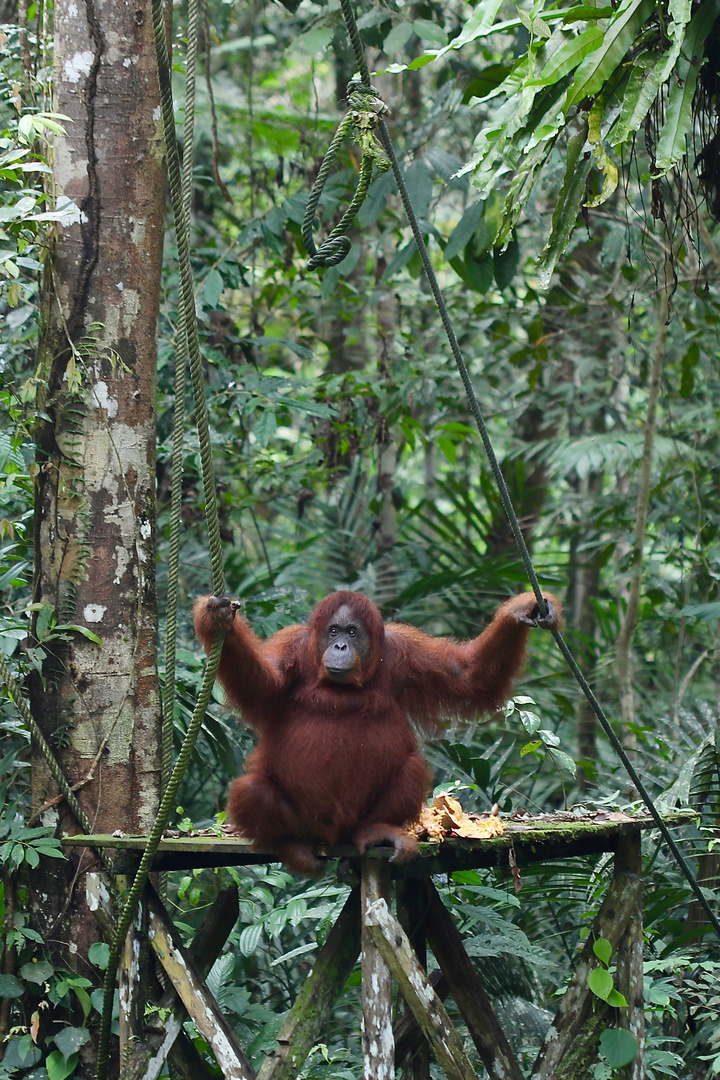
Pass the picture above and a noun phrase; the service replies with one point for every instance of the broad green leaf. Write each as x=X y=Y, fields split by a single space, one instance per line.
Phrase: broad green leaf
x=616 y=1000
x=522 y=184
x=212 y=288
x=566 y=210
x=37 y=971
x=671 y=146
x=603 y=950
x=569 y=55
x=430 y=31
x=250 y=939
x=600 y=981
x=618 y=1047
x=58 y=1068
x=707 y=612
x=69 y=1040
x=463 y=232
x=563 y=760
x=316 y=41
x=419 y=185
x=618 y=36
x=10 y=987
x=98 y=954
x=640 y=93
x=397 y=39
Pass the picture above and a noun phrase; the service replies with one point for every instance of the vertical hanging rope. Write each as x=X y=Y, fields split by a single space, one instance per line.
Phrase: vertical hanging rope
x=188 y=337
x=181 y=358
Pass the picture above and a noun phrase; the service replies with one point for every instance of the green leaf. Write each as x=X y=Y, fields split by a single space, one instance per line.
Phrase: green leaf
x=10 y=987
x=37 y=971
x=600 y=981
x=58 y=1068
x=69 y=1040
x=213 y=288
x=672 y=144
x=618 y=1047
x=316 y=41
x=618 y=37
x=250 y=939
x=568 y=56
x=420 y=186
x=531 y=747
x=566 y=210
x=617 y=1000
x=82 y=630
x=98 y=954
x=430 y=31
x=397 y=39
x=464 y=230
x=641 y=91
x=603 y=950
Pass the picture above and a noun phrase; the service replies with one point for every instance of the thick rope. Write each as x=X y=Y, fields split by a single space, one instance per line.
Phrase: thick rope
x=16 y=695
x=181 y=357
x=365 y=111
x=500 y=479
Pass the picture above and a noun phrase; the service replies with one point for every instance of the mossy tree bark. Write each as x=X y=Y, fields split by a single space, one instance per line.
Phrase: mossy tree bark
x=99 y=704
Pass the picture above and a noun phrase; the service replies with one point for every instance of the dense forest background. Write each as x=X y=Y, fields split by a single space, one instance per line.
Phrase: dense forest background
x=570 y=213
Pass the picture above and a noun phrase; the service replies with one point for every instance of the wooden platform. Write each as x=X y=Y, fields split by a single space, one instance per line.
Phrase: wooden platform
x=393 y=948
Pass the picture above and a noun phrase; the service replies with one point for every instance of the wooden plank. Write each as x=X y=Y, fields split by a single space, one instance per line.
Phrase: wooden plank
x=196 y=997
x=620 y=904
x=630 y=968
x=313 y=1005
x=468 y=991
x=429 y=1011
x=377 y=1031
x=534 y=840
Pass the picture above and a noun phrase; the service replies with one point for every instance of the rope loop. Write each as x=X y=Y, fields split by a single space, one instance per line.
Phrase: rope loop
x=366 y=110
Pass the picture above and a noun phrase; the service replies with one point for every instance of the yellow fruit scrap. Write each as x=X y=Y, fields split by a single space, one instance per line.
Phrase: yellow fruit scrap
x=445 y=818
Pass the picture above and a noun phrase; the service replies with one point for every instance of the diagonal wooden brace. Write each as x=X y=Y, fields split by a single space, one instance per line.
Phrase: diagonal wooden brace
x=196 y=997
x=147 y=1059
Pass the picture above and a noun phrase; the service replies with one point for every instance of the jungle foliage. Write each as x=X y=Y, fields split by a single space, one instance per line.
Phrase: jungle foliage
x=562 y=161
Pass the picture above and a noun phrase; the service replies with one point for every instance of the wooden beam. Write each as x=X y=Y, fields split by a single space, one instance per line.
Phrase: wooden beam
x=377 y=1031
x=195 y=996
x=429 y=1011
x=468 y=991
x=313 y=1005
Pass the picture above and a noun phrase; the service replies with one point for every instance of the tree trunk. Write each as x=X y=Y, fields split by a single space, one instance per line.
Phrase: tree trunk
x=99 y=704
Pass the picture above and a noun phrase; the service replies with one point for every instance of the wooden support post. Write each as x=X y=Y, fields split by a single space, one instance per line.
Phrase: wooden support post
x=131 y=984
x=391 y=941
x=377 y=1033
x=621 y=903
x=630 y=970
x=469 y=993
x=197 y=999
x=309 y=1014
x=411 y=905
